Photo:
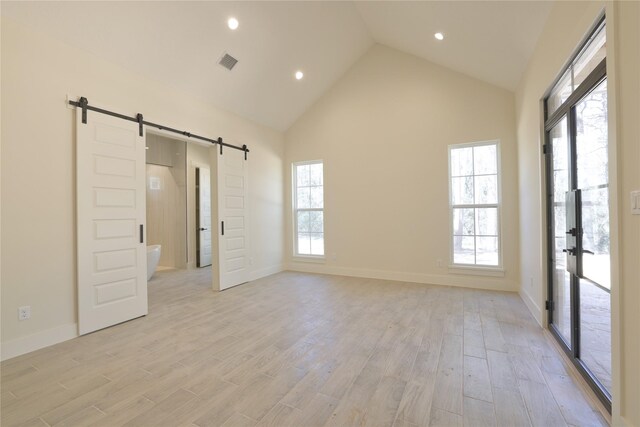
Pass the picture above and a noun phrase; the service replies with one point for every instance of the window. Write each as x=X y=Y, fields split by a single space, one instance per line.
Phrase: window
x=308 y=206
x=594 y=51
x=474 y=194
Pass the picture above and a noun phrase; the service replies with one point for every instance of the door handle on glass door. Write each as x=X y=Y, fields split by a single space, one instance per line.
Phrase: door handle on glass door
x=203 y=229
x=584 y=251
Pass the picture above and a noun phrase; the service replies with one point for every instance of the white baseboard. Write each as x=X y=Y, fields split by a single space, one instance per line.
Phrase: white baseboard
x=38 y=340
x=266 y=271
x=534 y=308
x=466 y=281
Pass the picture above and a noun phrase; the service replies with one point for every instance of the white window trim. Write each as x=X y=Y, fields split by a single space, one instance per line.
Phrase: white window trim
x=477 y=269
x=294 y=181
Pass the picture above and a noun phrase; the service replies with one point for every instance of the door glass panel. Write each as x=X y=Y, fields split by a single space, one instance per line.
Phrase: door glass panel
x=561 y=314
x=559 y=93
x=590 y=57
x=593 y=179
x=595 y=330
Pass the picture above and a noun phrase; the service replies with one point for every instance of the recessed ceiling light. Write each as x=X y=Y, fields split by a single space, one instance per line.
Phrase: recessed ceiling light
x=299 y=75
x=233 y=23
x=439 y=36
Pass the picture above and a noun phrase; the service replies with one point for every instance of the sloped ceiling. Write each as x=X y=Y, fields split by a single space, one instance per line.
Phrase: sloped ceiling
x=179 y=43
x=489 y=40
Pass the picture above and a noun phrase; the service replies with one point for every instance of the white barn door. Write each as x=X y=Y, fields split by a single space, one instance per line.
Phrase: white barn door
x=233 y=216
x=112 y=263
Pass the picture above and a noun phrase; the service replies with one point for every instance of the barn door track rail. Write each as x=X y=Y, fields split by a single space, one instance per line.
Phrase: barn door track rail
x=83 y=103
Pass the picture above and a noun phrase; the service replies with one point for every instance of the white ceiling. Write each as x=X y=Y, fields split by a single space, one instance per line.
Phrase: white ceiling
x=180 y=42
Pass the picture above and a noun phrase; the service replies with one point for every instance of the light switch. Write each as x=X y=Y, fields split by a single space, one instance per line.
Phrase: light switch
x=635 y=203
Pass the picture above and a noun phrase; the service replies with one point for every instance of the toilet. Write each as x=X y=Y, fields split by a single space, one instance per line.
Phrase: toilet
x=153 y=256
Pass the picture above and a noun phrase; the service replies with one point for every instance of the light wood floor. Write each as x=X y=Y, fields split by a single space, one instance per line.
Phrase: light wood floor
x=303 y=350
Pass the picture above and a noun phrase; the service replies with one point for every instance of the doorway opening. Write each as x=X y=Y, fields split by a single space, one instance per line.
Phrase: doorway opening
x=203 y=217
x=166 y=203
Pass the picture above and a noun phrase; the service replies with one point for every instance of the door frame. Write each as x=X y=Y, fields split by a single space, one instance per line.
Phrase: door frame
x=197 y=182
x=567 y=109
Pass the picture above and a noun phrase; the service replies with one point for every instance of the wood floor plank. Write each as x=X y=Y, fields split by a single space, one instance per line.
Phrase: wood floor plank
x=474 y=343
x=493 y=339
x=441 y=418
x=415 y=407
x=449 y=378
x=573 y=404
x=35 y=422
x=238 y=420
x=126 y=410
x=525 y=366
x=478 y=413
x=346 y=414
x=477 y=384
x=384 y=403
x=318 y=411
x=84 y=417
x=501 y=371
x=305 y=390
x=510 y=408
x=541 y=406
x=403 y=423
x=343 y=376
x=157 y=414
x=258 y=401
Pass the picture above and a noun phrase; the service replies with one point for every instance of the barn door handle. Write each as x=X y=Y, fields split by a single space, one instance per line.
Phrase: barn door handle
x=141 y=233
x=222 y=227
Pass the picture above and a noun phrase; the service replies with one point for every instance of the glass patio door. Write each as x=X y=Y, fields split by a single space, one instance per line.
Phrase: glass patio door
x=578 y=214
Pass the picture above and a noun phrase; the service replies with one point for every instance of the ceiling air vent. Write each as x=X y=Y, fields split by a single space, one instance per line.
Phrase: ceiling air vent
x=228 y=61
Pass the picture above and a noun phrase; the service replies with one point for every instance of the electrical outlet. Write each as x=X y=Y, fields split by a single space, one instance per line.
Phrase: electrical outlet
x=439 y=263
x=635 y=203
x=24 y=312
x=334 y=256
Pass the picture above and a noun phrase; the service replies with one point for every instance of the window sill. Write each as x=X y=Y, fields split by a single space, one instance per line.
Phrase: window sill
x=473 y=270
x=311 y=259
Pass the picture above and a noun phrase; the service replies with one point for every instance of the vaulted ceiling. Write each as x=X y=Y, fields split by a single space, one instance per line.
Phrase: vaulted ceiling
x=180 y=42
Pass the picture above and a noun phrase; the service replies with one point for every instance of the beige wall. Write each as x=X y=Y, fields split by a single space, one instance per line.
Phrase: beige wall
x=383 y=132
x=166 y=216
x=38 y=229
x=627 y=68
x=554 y=48
x=167 y=205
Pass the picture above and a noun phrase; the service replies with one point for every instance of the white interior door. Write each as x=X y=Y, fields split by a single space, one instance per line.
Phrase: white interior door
x=233 y=215
x=204 y=216
x=112 y=263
